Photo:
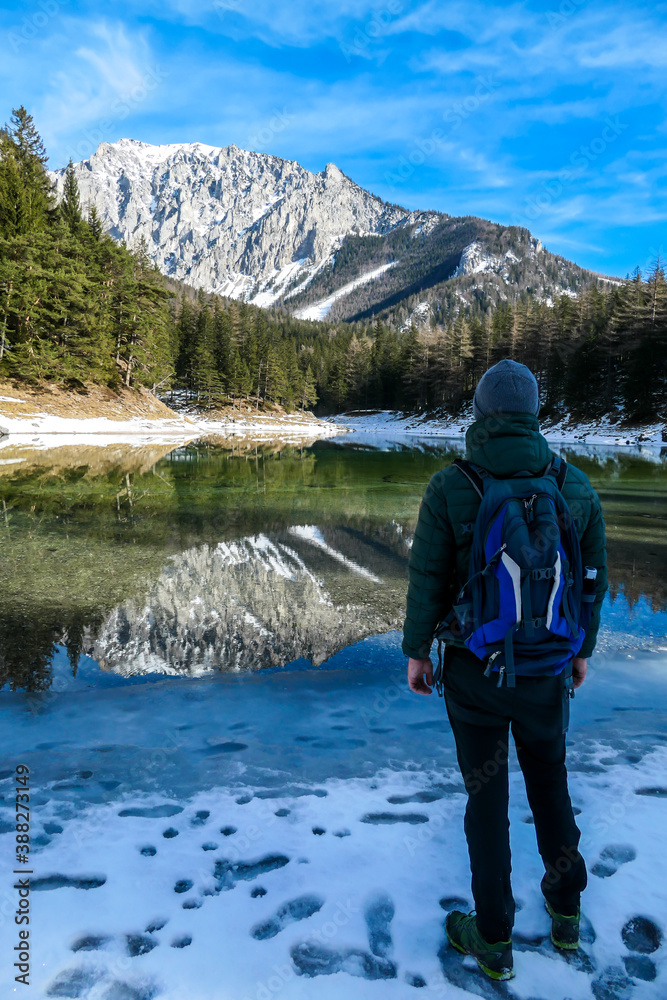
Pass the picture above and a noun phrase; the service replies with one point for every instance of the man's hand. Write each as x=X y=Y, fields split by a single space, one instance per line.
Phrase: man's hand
x=420 y=675
x=579 y=668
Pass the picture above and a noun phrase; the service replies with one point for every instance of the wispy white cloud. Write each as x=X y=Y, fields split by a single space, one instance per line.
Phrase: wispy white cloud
x=118 y=60
x=279 y=24
x=107 y=76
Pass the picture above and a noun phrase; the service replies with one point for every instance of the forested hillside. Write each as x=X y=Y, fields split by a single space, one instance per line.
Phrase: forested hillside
x=431 y=270
x=77 y=307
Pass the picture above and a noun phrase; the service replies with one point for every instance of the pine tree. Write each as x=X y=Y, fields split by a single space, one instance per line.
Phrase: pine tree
x=70 y=206
x=358 y=369
x=95 y=224
x=308 y=389
x=26 y=195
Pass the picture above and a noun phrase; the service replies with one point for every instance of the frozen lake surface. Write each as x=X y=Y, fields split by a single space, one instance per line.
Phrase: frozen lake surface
x=202 y=829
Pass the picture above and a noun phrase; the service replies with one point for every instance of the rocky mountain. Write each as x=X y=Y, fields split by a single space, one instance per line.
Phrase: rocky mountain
x=259 y=228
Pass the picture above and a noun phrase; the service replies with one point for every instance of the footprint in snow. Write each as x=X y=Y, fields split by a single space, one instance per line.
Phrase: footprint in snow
x=612 y=984
x=296 y=909
x=640 y=967
x=156 y=925
x=67 y=882
x=385 y=818
x=611 y=859
x=230 y=746
x=313 y=959
x=228 y=873
x=200 y=817
x=73 y=982
x=170 y=833
x=454 y=903
x=379 y=913
x=120 y=990
x=91 y=942
x=77 y=982
x=182 y=942
x=152 y=812
x=423 y=796
x=139 y=944
x=641 y=935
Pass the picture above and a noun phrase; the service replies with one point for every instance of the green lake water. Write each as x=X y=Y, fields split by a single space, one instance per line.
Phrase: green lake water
x=220 y=556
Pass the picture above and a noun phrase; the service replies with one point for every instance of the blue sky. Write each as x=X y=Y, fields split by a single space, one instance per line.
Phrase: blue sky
x=550 y=115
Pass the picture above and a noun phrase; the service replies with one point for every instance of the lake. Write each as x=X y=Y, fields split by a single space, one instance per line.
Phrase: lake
x=201 y=667
x=227 y=557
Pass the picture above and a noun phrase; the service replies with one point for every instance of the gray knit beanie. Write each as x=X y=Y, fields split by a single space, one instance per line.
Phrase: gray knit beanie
x=508 y=387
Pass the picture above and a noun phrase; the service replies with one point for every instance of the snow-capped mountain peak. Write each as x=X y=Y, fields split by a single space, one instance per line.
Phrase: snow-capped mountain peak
x=228 y=220
x=256 y=227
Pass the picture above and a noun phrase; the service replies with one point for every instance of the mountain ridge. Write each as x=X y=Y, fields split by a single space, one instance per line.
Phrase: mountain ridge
x=264 y=229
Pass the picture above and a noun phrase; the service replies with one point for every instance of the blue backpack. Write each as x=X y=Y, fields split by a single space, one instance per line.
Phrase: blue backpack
x=525 y=608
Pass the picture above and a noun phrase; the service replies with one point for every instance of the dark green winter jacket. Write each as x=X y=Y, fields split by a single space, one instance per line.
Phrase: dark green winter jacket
x=441 y=548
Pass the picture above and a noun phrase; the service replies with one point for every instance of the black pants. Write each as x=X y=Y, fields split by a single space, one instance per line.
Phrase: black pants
x=481 y=716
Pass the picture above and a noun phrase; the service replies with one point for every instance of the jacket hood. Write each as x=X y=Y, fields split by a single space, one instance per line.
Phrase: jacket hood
x=507 y=443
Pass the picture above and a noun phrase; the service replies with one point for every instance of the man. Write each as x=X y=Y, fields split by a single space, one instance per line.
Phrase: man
x=504 y=440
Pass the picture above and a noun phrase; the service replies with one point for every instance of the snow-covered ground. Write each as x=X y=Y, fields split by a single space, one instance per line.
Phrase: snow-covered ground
x=38 y=428
x=297 y=834
x=375 y=426
x=387 y=424
x=288 y=426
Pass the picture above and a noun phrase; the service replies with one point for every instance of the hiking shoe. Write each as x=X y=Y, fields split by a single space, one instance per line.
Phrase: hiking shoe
x=564 y=930
x=495 y=960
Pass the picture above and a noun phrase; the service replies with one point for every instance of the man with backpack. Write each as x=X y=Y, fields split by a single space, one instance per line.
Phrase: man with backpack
x=508 y=568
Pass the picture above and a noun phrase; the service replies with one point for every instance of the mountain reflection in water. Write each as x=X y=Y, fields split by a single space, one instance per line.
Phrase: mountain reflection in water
x=261 y=601
x=239 y=556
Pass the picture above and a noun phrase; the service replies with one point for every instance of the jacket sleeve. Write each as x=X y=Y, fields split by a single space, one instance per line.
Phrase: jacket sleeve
x=594 y=553
x=431 y=570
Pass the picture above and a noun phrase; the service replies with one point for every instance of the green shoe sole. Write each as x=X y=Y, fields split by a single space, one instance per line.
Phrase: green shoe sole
x=561 y=945
x=496 y=976
x=564 y=945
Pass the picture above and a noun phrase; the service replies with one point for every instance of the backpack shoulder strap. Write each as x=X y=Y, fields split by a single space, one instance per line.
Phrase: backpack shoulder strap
x=475 y=475
x=557 y=468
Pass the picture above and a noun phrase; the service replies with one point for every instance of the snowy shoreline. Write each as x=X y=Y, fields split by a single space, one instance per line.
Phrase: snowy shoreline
x=103 y=430
x=389 y=423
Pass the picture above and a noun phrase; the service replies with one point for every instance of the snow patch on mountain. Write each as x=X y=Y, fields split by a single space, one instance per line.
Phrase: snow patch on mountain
x=476 y=259
x=426 y=221
x=318 y=310
x=418 y=317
